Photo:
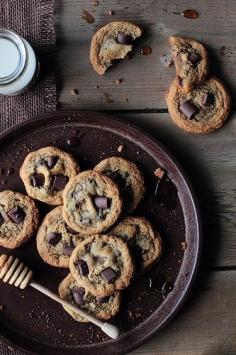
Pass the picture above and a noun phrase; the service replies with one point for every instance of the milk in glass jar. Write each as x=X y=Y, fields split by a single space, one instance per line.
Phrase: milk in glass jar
x=19 y=67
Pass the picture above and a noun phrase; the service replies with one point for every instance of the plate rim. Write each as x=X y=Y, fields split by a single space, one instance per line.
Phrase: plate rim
x=57 y=115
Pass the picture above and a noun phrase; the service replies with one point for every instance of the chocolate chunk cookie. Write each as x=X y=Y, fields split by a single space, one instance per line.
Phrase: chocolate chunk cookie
x=144 y=241
x=55 y=240
x=46 y=172
x=19 y=219
x=102 y=264
x=203 y=110
x=112 y=42
x=191 y=62
x=92 y=203
x=127 y=176
x=102 y=307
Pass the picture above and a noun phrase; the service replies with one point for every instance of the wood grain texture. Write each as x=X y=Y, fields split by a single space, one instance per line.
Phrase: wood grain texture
x=206 y=324
x=210 y=163
x=145 y=79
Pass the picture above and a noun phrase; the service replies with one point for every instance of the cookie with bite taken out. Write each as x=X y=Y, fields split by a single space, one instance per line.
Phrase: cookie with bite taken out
x=112 y=42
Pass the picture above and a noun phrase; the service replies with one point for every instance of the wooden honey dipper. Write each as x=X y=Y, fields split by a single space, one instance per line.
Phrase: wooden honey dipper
x=16 y=273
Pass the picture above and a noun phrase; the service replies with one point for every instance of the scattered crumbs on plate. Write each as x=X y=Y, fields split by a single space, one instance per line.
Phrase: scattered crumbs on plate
x=120 y=148
x=184 y=245
x=159 y=172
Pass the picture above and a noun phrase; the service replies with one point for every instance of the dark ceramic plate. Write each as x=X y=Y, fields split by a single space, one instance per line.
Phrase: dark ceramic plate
x=32 y=322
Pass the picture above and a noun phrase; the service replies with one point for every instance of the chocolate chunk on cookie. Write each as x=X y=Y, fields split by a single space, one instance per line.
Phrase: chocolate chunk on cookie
x=19 y=219
x=46 y=172
x=107 y=264
x=144 y=241
x=112 y=42
x=102 y=307
x=92 y=203
x=55 y=241
x=191 y=61
x=127 y=176
x=203 y=110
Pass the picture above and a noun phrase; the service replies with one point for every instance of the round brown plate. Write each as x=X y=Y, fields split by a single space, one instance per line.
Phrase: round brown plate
x=36 y=324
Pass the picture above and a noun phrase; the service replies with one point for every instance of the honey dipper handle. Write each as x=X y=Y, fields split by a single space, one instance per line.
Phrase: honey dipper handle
x=111 y=330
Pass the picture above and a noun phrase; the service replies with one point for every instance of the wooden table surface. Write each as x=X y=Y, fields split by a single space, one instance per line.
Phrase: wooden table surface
x=207 y=322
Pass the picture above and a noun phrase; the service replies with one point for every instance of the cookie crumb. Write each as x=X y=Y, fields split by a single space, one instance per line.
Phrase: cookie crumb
x=74 y=92
x=110 y=12
x=184 y=245
x=120 y=148
x=118 y=81
x=159 y=172
x=166 y=60
x=95 y=3
x=96 y=86
x=125 y=99
x=1 y=307
x=107 y=98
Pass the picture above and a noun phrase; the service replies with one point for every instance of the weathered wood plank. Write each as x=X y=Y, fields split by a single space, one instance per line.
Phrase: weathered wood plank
x=206 y=325
x=210 y=164
x=145 y=79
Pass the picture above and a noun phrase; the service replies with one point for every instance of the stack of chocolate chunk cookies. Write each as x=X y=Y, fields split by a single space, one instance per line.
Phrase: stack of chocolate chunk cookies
x=197 y=102
x=89 y=231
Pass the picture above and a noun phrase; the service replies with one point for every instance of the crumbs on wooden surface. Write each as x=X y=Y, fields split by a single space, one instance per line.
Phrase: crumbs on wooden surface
x=107 y=98
x=74 y=92
x=159 y=172
x=118 y=81
x=120 y=148
x=166 y=59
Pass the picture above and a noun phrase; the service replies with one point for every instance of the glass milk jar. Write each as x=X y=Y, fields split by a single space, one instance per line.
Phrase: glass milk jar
x=18 y=64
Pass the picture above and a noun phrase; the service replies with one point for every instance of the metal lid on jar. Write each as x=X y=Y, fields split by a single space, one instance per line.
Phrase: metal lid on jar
x=12 y=56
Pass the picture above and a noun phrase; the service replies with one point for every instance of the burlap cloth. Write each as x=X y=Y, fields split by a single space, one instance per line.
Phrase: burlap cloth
x=33 y=20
